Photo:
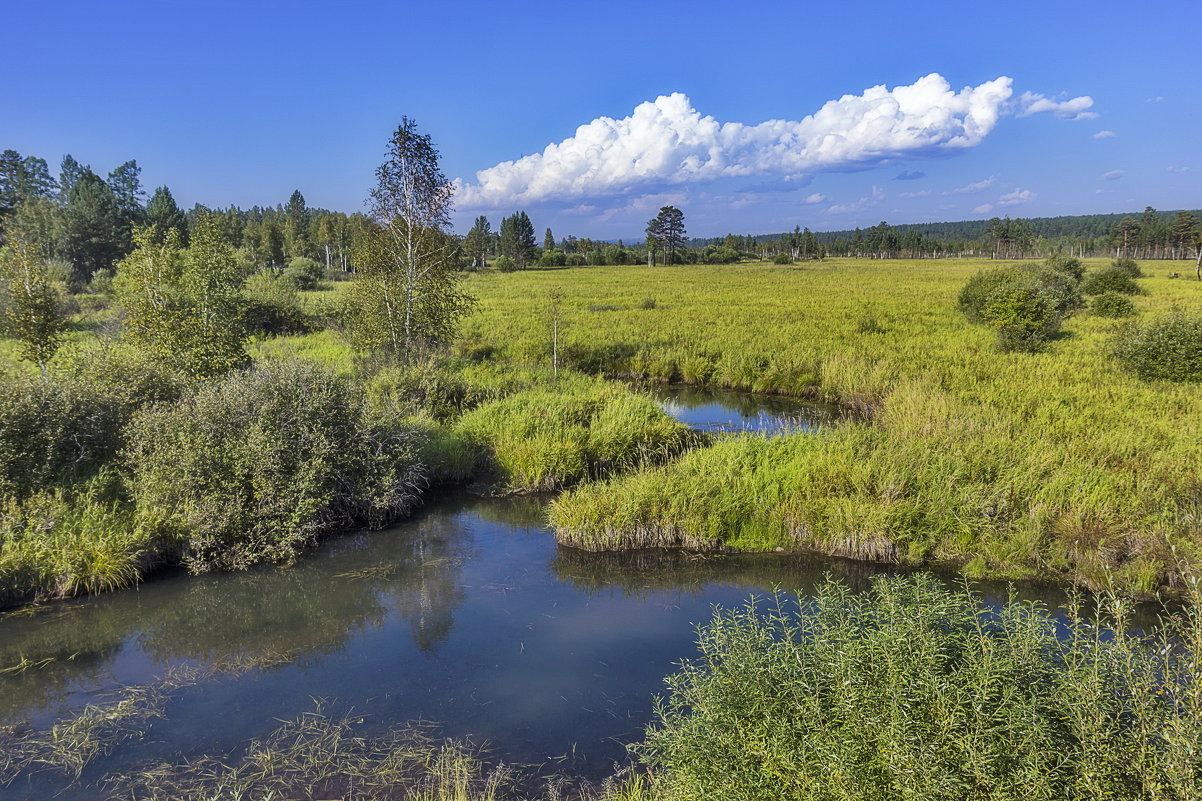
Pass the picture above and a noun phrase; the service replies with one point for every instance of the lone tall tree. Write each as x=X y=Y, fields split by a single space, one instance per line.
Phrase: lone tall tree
x=665 y=232
x=408 y=291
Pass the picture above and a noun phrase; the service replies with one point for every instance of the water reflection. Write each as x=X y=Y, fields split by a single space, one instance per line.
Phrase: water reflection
x=729 y=411
x=469 y=615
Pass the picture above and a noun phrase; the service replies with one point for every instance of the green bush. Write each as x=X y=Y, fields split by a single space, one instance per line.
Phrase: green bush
x=1129 y=266
x=505 y=264
x=552 y=258
x=917 y=692
x=1167 y=348
x=1024 y=304
x=254 y=466
x=1111 y=304
x=55 y=432
x=1068 y=265
x=1109 y=279
x=576 y=260
x=271 y=306
x=782 y=258
x=304 y=274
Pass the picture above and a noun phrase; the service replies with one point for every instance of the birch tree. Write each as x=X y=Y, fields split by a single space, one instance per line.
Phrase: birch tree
x=407 y=294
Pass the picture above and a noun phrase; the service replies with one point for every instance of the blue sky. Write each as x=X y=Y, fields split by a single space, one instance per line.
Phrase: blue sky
x=1100 y=109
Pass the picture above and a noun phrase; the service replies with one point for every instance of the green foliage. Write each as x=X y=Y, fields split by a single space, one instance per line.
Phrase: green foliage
x=1110 y=279
x=29 y=304
x=407 y=296
x=53 y=432
x=1112 y=304
x=913 y=691
x=271 y=306
x=255 y=466
x=185 y=306
x=548 y=438
x=59 y=543
x=1068 y=265
x=304 y=274
x=505 y=264
x=1129 y=266
x=1024 y=304
x=1166 y=348
x=1023 y=315
x=782 y=258
x=552 y=258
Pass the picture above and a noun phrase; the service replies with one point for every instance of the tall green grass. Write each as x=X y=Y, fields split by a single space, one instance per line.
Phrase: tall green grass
x=1056 y=463
x=553 y=437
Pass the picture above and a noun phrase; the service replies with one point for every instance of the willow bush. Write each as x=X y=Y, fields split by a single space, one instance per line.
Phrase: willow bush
x=912 y=691
x=256 y=465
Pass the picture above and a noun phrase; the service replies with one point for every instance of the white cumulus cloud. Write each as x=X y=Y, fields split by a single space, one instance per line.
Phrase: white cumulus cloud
x=1104 y=135
x=667 y=141
x=1076 y=108
x=817 y=197
x=910 y=195
x=1113 y=175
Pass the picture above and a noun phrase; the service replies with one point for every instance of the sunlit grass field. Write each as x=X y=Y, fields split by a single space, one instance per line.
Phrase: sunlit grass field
x=1058 y=463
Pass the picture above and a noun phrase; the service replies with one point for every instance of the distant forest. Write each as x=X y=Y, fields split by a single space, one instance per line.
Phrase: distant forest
x=1151 y=234
x=86 y=223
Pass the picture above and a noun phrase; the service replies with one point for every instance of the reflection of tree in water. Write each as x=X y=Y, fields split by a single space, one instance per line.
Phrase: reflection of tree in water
x=426 y=589
x=518 y=511
x=637 y=574
x=300 y=612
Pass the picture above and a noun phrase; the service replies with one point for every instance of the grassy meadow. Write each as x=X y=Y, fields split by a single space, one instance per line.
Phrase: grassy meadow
x=1058 y=463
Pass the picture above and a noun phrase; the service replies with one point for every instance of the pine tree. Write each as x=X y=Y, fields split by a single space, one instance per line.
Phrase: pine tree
x=164 y=216
x=296 y=231
x=92 y=235
x=666 y=231
x=548 y=241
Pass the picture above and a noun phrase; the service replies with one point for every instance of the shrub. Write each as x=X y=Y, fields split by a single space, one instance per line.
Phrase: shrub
x=102 y=282
x=782 y=258
x=914 y=691
x=1112 y=304
x=505 y=264
x=552 y=258
x=1129 y=266
x=256 y=465
x=271 y=306
x=1110 y=279
x=304 y=274
x=1068 y=265
x=417 y=387
x=576 y=260
x=54 y=432
x=1167 y=348
x=1024 y=304
x=1061 y=287
x=1023 y=314
x=976 y=292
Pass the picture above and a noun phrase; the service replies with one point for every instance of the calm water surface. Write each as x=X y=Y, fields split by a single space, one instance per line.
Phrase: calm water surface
x=468 y=615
